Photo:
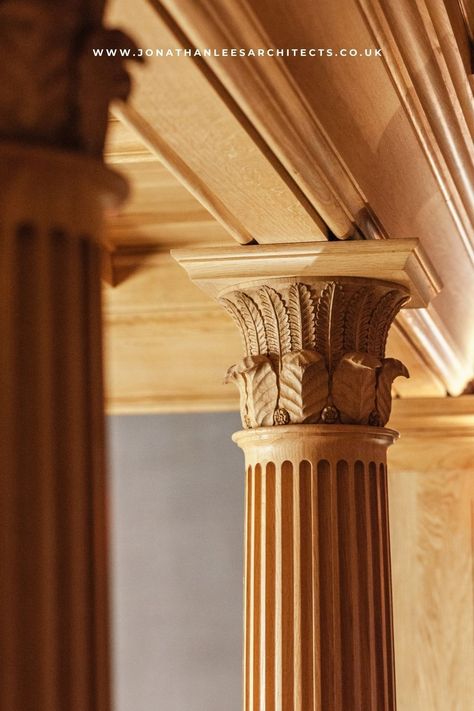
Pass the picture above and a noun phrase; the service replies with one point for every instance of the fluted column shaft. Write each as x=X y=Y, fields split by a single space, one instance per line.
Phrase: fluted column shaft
x=318 y=610
x=53 y=582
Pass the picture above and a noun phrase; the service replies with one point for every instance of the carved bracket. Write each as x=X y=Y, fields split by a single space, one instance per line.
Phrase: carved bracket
x=315 y=353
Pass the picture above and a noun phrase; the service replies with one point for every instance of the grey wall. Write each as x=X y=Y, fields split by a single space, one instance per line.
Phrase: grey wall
x=177 y=500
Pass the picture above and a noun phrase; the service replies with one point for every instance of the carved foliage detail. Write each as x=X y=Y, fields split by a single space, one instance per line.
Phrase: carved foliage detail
x=315 y=355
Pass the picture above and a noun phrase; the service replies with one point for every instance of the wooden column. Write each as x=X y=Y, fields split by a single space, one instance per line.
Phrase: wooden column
x=54 y=190
x=315 y=390
x=318 y=615
x=53 y=585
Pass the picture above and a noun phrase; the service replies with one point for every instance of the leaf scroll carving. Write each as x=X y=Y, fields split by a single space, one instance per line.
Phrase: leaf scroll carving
x=357 y=320
x=301 y=317
x=380 y=322
x=315 y=356
x=330 y=324
x=391 y=369
x=232 y=309
x=276 y=321
x=254 y=324
x=353 y=388
x=257 y=383
x=303 y=386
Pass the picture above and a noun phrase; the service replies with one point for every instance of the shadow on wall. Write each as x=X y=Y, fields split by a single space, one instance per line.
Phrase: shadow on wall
x=177 y=514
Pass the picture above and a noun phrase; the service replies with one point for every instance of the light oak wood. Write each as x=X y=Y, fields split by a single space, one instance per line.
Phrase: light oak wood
x=155 y=317
x=267 y=93
x=193 y=129
x=315 y=351
x=161 y=211
x=421 y=34
x=318 y=626
x=365 y=125
x=53 y=544
x=401 y=261
x=431 y=493
x=315 y=392
x=445 y=417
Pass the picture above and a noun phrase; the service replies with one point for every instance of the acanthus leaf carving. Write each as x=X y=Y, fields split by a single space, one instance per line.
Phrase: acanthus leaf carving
x=381 y=316
x=391 y=369
x=232 y=309
x=301 y=317
x=277 y=321
x=357 y=320
x=254 y=324
x=330 y=324
x=316 y=354
x=398 y=304
x=303 y=386
x=353 y=387
x=258 y=386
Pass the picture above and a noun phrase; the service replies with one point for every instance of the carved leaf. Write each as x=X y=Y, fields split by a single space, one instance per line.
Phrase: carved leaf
x=235 y=374
x=301 y=317
x=398 y=304
x=356 y=320
x=303 y=385
x=276 y=321
x=232 y=309
x=330 y=324
x=380 y=322
x=391 y=369
x=353 y=387
x=257 y=382
x=254 y=322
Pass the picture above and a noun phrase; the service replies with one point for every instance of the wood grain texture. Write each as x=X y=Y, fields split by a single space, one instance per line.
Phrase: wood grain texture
x=186 y=122
x=267 y=93
x=431 y=489
x=53 y=540
x=394 y=130
x=218 y=270
x=318 y=631
x=431 y=511
x=161 y=212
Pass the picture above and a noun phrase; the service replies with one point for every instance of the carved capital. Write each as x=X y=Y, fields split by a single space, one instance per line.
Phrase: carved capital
x=315 y=318
x=54 y=91
x=315 y=351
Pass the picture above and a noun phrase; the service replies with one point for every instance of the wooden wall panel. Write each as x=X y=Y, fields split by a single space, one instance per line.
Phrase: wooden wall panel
x=431 y=519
